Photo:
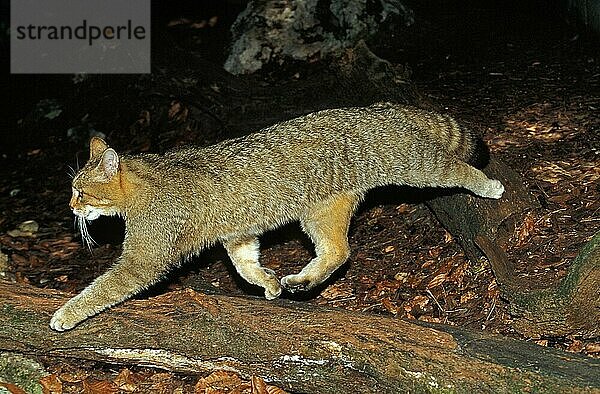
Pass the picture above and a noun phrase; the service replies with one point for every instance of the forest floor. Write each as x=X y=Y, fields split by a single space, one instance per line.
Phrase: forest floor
x=533 y=93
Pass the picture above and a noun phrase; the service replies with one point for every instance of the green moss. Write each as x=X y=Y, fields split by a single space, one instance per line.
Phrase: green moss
x=22 y=372
x=588 y=259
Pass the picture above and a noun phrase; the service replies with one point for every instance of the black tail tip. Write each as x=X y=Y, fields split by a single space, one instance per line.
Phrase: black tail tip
x=481 y=154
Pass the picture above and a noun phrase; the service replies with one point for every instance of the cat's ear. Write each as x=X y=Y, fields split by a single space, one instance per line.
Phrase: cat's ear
x=97 y=147
x=109 y=163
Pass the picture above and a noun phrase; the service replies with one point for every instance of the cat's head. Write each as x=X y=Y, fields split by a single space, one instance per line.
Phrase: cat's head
x=96 y=187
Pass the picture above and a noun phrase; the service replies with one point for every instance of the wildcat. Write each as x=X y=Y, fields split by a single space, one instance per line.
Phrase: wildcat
x=315 y=169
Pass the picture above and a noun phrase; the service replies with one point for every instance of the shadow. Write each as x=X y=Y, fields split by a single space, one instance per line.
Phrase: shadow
x=107 y=230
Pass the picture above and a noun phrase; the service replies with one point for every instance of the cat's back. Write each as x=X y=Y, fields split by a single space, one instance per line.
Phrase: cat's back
x=353 y=138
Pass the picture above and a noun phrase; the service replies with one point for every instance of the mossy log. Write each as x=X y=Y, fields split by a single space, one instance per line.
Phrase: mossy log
x=297 y=346
x=572 y=307
x=483 y=228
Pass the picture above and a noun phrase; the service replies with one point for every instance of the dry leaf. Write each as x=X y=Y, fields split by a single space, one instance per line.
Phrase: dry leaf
x=386 y=286
x=127 y=380
x=576 y=346
x=178 y=112
x=144 y=119
x=70 y=378
x=401 y=277
x=375 y=212
x=431 y=319
x=199 y=25
x=176 y=108
x=592 y=348
x=21 y=278
x=438 y=280
x=337 y=290
x=403 y=208
x=257 y=385
x=275 y=390
x=447 y=237
x=390 y=306
x=51 y=384
x=524 y=231
x=180 y=21
x=427 y=264
x=13 y=389
x=468 y=296
x=218 y=380
x=458 y=274
x=434 y=252
x=99 y=387
x=18 y=259
x=418 y=301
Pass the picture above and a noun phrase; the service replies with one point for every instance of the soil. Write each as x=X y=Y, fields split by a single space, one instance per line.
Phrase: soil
x=524 y=78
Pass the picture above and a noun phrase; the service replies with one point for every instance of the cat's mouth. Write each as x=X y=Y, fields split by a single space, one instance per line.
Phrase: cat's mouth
x=93 y=215
x=87 y=214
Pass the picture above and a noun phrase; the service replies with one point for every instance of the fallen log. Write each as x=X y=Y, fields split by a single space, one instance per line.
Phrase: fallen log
x=296 y=346
x=570 y=308
x=484 y=227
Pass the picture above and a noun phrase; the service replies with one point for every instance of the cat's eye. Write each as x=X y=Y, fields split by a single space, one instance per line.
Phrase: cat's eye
x=87 y=196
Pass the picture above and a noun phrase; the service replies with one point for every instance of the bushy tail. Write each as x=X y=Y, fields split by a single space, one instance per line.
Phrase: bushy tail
x=480 y=154
x=454 y=137
x=466 y=145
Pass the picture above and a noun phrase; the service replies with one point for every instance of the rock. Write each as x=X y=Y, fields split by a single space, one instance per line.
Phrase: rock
x=30 y=226
x=271 y=31
x=26 y=229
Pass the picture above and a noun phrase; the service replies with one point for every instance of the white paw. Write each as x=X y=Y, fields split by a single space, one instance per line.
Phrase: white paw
x=59 y=323
x=271 y=285
x=65 y=319
x=296 y=282
x=493 y=189
x=271 y=294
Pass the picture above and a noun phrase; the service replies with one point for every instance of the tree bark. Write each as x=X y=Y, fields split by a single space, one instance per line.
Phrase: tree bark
x=483 y=228
x=299 y=347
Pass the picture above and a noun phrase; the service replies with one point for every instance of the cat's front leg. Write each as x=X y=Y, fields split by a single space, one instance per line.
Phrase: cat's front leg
x=129 y=276
x=76 y=310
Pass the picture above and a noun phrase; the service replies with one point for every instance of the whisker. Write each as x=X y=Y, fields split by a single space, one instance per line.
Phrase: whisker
x=71 y=172
x=86 y=238
x=92 y=240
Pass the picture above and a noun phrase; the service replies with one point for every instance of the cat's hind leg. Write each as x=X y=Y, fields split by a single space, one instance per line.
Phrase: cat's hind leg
x=244 y=254
x=327 y=225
